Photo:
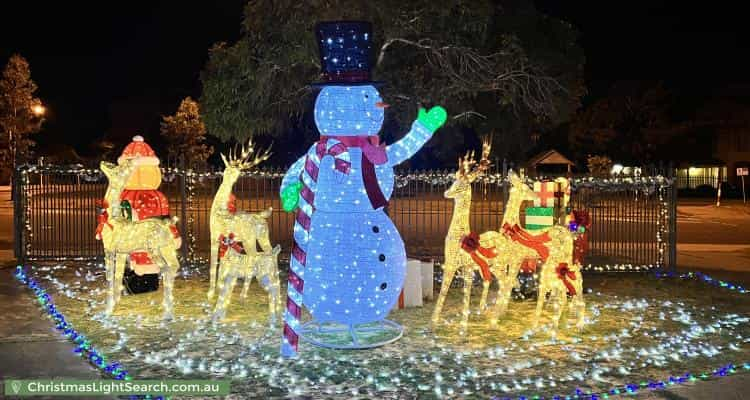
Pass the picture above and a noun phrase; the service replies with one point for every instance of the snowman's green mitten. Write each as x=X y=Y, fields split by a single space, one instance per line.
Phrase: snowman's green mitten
x=433 y=119
x=290 y=196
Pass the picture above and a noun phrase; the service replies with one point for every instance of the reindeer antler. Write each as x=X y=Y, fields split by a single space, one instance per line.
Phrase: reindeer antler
x=466 y=169
x=248 y=158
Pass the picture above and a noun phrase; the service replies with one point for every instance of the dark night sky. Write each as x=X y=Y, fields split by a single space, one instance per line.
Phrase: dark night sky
x=119 y=66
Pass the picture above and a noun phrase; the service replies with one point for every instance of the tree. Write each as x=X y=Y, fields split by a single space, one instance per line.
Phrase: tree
x=185 y=134
x=635 y=116
x=496 y=66
x=20 y=112
x=599 y=166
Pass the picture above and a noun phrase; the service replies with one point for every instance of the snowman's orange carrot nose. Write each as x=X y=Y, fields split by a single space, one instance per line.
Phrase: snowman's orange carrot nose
x=381 y=104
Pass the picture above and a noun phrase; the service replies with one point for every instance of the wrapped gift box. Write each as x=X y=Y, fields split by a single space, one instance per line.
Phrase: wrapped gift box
x=548 y=194
x=539 y=217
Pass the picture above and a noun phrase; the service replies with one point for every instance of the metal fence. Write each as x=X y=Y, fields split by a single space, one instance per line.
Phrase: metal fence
x=56 y=214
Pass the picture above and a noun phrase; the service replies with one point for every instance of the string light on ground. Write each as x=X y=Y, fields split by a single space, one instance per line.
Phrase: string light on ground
x=639 y=344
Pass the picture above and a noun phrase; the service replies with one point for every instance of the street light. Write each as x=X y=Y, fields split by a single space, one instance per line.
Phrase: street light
x=617 y=169
x=38 y=110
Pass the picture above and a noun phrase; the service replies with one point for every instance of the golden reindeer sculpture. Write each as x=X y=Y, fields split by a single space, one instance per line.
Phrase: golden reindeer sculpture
x=560 y=276
x=121 y=237
x=464 y=249
x=512 y=249
x=225 y=220
x=262 y=266
x=554 y=246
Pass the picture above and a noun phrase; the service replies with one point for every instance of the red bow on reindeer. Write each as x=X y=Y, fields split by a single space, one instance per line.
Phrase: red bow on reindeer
x=228 y=242
x=564 y=273
x=470 y=244
x=536 y=242
x=102 y=218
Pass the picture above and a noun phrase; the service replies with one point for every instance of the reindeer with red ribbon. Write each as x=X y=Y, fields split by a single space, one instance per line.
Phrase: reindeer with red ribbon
x=234 y=235
x=466 y=251
x=559 y=276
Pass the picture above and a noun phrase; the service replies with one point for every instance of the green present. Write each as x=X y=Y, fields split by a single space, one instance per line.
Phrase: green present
x=539 y=217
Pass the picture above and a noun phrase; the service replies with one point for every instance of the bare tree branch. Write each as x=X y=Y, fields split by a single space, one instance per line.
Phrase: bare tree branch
x=506 y=73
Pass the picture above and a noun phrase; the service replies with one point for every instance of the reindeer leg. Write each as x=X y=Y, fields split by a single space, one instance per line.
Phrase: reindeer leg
x=168 y=273
x=580 y=304
x=561 y=303
x=540 y=303
x=501 y=275
x=109 y=264
x=448 y=273
x=225 y=297
x=483 y=299
x=468 y=282
x=120 y=260
x=213 y=265
x=275 y=291
x=273 y=296
x=248 y=268
x=506 y=288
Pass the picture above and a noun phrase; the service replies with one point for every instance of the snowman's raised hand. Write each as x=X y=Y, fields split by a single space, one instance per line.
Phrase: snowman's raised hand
x=290 y=196
x=433 y=119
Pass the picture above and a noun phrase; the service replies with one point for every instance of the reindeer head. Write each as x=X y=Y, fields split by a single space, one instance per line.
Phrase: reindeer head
x=519 y=188
x=469 y=170
x=117 y=175
x=247 y=159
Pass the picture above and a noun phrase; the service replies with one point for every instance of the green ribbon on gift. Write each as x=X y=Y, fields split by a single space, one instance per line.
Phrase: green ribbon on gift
x=126 y=210
x=539 y=217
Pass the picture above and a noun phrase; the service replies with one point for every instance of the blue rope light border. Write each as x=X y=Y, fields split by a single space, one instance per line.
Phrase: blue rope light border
x=85 y=349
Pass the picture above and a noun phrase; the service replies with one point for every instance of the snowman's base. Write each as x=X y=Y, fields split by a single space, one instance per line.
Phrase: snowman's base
x=332 y=335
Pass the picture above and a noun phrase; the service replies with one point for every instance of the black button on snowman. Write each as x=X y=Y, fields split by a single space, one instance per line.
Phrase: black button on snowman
x=348 y=262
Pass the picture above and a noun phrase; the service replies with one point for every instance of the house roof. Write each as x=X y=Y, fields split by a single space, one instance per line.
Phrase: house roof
x=548 y=157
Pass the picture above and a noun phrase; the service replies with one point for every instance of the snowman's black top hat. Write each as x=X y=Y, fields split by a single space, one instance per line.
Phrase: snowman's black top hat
x=345 y=52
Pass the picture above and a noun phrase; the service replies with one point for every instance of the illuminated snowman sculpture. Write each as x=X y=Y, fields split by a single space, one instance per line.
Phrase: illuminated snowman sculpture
x=348 y=260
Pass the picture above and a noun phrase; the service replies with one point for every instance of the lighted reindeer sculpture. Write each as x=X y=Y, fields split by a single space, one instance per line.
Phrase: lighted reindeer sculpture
x=121 y=237
x=263 y=266
x=513 y=245
x=234 y=235
x=559 y=275
x=464 y=249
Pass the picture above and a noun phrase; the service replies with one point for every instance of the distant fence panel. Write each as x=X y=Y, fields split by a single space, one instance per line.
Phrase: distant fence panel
x=629 y=227
x=57 y=214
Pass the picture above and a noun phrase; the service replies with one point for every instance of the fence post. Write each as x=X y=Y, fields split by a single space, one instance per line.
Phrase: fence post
x=673 y=220
x=17 y=217
x=183 y=208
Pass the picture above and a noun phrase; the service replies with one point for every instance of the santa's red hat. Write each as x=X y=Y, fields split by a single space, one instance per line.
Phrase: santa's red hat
x=139 y=153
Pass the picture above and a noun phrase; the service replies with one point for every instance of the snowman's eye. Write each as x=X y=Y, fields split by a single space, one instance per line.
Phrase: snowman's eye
x=367 y=97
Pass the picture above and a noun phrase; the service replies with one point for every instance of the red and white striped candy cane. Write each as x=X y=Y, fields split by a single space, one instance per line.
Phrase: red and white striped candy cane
x=305 y=209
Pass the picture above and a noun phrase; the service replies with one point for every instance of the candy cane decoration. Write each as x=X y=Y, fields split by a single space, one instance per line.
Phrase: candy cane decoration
x=305 y=209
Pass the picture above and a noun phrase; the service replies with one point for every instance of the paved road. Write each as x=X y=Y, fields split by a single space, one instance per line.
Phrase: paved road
x=713 y=237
